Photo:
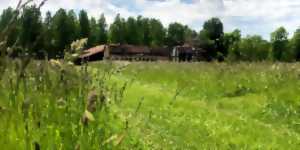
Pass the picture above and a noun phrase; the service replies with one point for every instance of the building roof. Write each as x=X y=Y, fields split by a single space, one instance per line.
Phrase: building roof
x=93 y=51
x=128 y=49
x=132 y=49
x=160 y=51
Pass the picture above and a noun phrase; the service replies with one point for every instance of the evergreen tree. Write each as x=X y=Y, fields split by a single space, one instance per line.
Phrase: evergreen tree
x=92 y=41
x=132 y=34
x=31 y=30
x=102 y=33
x=84 y=24
x=117 y=31
x=48 y=37
x=62 y=32
x=143 y=31
x=5 y=18
x=73 y=25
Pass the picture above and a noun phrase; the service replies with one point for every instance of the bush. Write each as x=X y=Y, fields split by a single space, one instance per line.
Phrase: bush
x=251 y=48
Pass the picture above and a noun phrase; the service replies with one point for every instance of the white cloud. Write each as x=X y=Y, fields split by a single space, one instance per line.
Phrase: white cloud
x=252 y=16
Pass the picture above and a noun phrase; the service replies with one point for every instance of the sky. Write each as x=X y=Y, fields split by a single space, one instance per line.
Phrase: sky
x=250 y=16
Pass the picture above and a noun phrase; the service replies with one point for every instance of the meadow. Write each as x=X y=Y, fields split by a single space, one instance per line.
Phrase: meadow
x=158 y=105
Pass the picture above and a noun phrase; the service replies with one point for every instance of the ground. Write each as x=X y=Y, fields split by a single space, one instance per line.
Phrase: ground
x=173 y=106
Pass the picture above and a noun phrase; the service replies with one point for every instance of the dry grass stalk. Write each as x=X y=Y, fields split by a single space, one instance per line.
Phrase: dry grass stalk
x=90 y=108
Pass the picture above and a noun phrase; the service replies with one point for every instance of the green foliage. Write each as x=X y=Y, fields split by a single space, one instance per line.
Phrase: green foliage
x=157 y=34
x=117 y=30
x=132 y=34
x=48 y=108
x=74 y=26
x=48 y=36
x=144 y=31
x=84 y=22
x=93 y=37
x=220 y=104
x=214 y=28
x=102 y=33
x=279 y=40
x=53 y=35
x=6 y=15
x=254 y=48
x=100 y=106
x=5 y=19
x=176 y=34
x=190 y=36
x=208 y=44
x=62 y=32
x=231 y=44
x=31 y=29
x=296 y=44
x=212 y=38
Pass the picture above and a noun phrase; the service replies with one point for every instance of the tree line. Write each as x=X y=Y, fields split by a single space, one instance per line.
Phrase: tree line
x=52 y=35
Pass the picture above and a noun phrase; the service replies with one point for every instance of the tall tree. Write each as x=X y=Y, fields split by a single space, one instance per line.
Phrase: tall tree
x=102 y=34
x=143 y=28
x=92 y=41
x=296 y=44
x=190 y=35
x=176 y=34
x=254 y=48
x=48 y=36
x=213 y=31
x=84 y=24
x=132 y=34
x=117 y=30
x=231 y=41
x=279 y=40
x=62 y=33
x=5 y=18
x=31 y=29
x=73 y=25
x=157 y=34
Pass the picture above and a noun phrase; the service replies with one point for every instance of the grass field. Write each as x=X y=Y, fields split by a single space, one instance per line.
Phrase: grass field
x=151 y=106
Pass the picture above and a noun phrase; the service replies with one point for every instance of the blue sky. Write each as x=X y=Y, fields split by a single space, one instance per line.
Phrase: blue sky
x=251 y=16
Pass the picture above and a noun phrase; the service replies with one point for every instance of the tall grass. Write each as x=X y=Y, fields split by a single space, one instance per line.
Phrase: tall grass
x=55 y=105
x=59 y=106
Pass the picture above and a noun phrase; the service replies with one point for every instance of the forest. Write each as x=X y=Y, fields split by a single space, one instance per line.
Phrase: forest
x=51 y=36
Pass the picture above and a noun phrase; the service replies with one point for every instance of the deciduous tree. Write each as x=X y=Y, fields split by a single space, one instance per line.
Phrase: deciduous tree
x=279 y=40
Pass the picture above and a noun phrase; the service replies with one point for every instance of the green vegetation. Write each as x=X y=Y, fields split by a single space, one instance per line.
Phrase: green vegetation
x=163 y=105
x=150 y=106
x=50 y=37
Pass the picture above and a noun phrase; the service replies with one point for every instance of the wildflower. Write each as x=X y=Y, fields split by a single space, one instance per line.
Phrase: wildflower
x=55 y=63
x=70 y=63
x=91 y=101
x=77 y=147
x=2 y=108
x=75 y=55
x=61 y=103
x=91 y=107
x=87 y=117
x=116 y=139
